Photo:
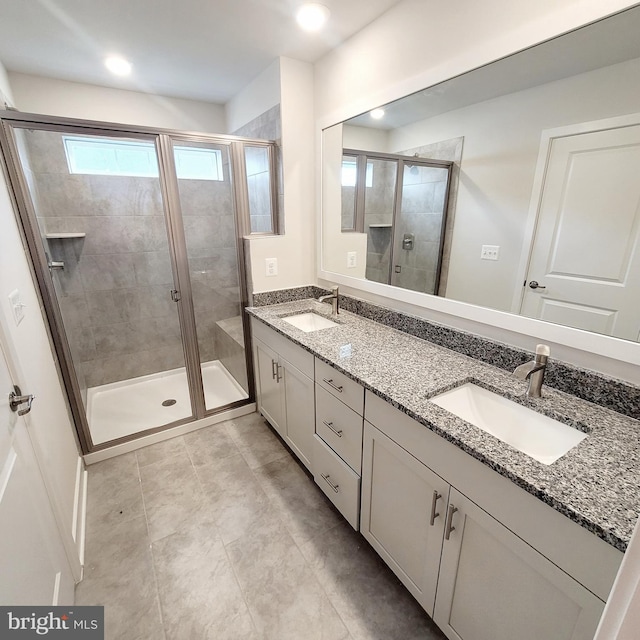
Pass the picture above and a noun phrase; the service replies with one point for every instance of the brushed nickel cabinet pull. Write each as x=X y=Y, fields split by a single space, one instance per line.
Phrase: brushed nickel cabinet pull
x=278 y=374
x=434 y=501
x=333 y=385
x=449 y=526
x=274 y=369
x=335 y=487
x=330 y=426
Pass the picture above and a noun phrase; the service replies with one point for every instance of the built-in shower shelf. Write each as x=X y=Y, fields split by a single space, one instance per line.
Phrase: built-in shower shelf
x=379 y=226
x=63 y=236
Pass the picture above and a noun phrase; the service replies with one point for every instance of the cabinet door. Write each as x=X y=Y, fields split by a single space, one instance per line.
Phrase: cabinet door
x=399 y=495
x=299 y=411
x=270 y=394
x=494 y=586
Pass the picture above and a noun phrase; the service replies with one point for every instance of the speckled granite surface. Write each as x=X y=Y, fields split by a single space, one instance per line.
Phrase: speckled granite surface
x=596 y=484
x=588 y=385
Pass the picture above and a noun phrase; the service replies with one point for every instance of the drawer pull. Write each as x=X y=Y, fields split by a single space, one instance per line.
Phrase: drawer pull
x=335 y=487
x=330 y=426
x=449 y=526
x=278 y=374
x=274 y=369
x=333 y=385
x=434 y=502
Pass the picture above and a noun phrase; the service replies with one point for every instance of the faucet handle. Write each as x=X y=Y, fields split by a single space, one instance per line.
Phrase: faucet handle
x=543 y=350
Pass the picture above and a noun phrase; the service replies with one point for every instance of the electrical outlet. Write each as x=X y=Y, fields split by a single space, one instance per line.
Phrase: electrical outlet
x=489 y=252
x=271 y=266
x=351 y=259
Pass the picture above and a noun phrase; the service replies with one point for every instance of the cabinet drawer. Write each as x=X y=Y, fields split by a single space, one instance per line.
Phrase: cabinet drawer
x=290 y=351
x=340 y=427
x=339 y=385
x=337 y=480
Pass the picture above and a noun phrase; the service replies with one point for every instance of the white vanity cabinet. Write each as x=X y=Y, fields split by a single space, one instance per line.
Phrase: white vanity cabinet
x=495 y=586
x=285 y=391
x=402 y=513
x=486 y=559
x=337 y=455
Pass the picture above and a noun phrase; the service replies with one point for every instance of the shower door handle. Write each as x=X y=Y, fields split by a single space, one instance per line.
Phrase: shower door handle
x=175 y=295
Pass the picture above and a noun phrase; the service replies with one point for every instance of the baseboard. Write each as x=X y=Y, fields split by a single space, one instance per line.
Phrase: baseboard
x=80 y=510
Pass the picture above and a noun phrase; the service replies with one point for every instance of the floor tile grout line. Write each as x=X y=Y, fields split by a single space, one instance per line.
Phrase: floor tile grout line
x=150 y=545
x=298 y=546
x=235 y=575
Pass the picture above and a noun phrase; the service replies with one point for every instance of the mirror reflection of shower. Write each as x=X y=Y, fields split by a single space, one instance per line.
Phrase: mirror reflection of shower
x=400 y=202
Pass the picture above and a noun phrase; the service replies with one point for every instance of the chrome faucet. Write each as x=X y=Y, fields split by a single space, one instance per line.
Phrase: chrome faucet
x=333 y=296
x=533 y=371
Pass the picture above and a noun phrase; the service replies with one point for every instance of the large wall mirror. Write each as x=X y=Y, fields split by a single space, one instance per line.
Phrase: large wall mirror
x=541 y=215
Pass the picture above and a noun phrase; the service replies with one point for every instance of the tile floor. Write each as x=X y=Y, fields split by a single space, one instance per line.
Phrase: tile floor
x=221 y=535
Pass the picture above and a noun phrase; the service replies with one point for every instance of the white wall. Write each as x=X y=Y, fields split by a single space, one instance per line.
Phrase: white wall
x=35 y=94
x=258 y=96
x=295 y=250
x=50 y=424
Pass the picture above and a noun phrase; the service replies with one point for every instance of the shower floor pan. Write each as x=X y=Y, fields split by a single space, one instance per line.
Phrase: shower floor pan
x=123 y=408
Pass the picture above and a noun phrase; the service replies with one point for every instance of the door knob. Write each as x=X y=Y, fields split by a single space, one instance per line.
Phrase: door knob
x=16 y=399
x=534 y=285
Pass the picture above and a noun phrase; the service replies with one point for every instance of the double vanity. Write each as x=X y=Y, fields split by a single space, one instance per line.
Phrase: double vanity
x=438 y=460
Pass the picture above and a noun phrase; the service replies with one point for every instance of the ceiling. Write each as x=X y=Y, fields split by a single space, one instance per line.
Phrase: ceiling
x=203 y=50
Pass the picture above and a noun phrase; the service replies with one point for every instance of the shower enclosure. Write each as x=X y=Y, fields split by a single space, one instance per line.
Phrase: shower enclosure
x=400 y=202
x=135 y=237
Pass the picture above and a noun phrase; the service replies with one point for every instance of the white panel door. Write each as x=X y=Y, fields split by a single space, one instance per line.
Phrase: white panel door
x=33 y=566
x=586 y=250
x=494 y=586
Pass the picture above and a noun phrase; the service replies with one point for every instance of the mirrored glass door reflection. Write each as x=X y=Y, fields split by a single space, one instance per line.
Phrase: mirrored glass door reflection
x=418 y=232
x=379 y=204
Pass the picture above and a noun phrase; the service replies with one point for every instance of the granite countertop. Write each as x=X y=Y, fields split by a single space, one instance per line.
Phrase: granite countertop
x=596 y=484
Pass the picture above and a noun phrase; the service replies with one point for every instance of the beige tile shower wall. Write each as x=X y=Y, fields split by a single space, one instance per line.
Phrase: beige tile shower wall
x=114 y=290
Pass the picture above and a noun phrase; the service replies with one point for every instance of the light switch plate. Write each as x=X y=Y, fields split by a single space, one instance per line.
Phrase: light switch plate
x=489 y=252
x=17 y=307
x=271 y=267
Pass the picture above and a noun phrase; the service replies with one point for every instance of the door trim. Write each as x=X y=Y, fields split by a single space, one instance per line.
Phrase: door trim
x=546 y=141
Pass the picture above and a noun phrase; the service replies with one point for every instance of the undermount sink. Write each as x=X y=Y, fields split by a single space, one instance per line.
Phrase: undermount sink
x=310 y=322
x=539 y=436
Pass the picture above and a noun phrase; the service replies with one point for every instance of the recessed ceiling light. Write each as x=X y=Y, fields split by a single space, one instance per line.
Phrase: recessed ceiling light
x=377 y=114
x=312 y=16
x=118 y=66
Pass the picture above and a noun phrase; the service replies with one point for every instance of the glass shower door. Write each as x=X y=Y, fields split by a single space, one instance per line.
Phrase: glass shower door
x=419 y=227
x=101 y=220
x=206 y=198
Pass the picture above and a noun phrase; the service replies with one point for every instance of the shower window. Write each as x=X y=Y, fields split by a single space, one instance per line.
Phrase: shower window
x=107 y=157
